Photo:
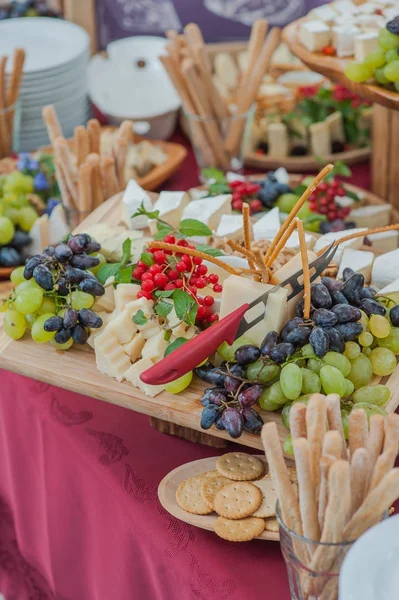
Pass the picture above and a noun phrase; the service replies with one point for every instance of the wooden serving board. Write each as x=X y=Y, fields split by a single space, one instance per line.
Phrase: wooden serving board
x=167 y=495
x=304 y=163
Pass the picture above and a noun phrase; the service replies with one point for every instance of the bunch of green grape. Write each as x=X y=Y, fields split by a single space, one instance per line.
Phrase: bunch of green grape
x=382 y=65
x=14 y=203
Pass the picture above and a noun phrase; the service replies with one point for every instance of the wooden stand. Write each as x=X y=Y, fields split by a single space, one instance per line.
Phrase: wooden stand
x=385 y=168
x=187 y=434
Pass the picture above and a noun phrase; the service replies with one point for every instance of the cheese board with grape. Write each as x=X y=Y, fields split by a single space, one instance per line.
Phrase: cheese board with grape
x=139 y=279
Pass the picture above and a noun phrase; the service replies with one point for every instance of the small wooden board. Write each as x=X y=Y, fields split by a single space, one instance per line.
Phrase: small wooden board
x=167 y=496
x=305 y=163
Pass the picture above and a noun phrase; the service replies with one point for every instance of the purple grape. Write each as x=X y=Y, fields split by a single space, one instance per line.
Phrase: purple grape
x=74 y=275
x=394 y=315
x=63 y=253
x=63 y=336
x=245 y=355
x=250 y=396
x=319 y=341
x=214 y=395
x=371 y=307
x=233 y=422
x=53 y=324
x=219 y=422
x=289 y=326
x=281 y=352
x=347 y=273
x=337 y=343
x=333 y=285
x=79 y=334
x=349 y=331
x=231 y=384
x=70 y=318
x=346 y=313
x=338 y=298
x=353 y=288
x=93 y=246
x=253 y=422
x=88 y=318
x=324 y=318
x=20 y=239
x=237 y=370
x=78 y=243
x=43 y=277
x=299 y=336
x=92 y=286
x=82 y=261
x=49 y=251
x=209 y=415
x=211 y=375
x=320 y=296
x=368 y=293
x=31 y=264
x=299 y=309
x=271 y=339
x=40 y=182
x=62 y=287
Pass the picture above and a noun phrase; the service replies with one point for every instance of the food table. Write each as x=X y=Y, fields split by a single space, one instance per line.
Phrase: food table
x=79 y=514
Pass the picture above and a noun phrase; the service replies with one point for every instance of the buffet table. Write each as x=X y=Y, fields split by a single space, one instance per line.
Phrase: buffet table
x=79 y=514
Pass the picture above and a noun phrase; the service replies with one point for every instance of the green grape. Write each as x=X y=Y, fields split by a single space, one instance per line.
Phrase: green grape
x=332 y=380
x=65 y=346
x=396 y=85
x=28 y=185
x=29 y=300
x=3 y=305
x=30 y=318
x=285 y=415
x=375 y=59
x=352 y=350
x=225 y=351
x=14 y=324
x=272 y=397
x=345 y=422
x=341 y=362
x=358 y=72
x=37 y=332
x=287 y=445
x=26 y=285
x=314 y=365
x=391 y=341
x=27 y=216
x=387 y=40
x=380 y=77
x=310 y=382
x=390 y=55
x=349 y=388
x=17 y=276
x=47 y=306
x=364 y=321
x=366 y=339
x=61 y=313
x=12 y=213
x=180 y=384
x=307 y=351
x=361 y=371
x=366 y=350
x=372 y=394
x=7 y=231
x=286 y=202
x=370 y=409
x=305 y=211
x=262 y=373
x=82 y=300
x=383 y=361
x=17 y=182
x=379 y=326
x=391 y=71
x=20 y=202
x=291 y=381
x=102 y=262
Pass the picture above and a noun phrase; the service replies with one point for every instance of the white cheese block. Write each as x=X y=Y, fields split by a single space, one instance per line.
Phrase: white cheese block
x=133 y=376
x=371 y=22
x=111 y=246
x=184 y=331
x=320 y=138
x=230 y=226
x=361 y=261
x=314 y=35
x=344 y=7
x=103 y=231
x=374 y=215
x=58 y=226
x=230 y=176
x=278 y=140
x=149 y=329
x=134 y=347
x=267 y=226
x=124 y=294
x=106 y=317
x=209 y=210
x=344 y=202
x=226 y=69
x=106 y=302
x=122 y=327
x=385 y=269
x=325 y=13
x=40 y=235
x=365 y=43
x=282 y=175
x=133 y=197
x=290 y=268
x=328 y=238
x=171 y=206
x=336 y=125
x=197 y=194
x=154 y=348
x=110 y=357
x=293 y=241
x=237 y=291
x=385 y=241
x=140 y=304
x=344 y=40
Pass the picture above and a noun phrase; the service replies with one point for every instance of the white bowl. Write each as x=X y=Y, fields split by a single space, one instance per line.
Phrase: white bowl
x=132 y=84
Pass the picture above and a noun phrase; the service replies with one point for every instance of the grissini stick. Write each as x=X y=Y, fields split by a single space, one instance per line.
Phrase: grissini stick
x=332 y=444
x=94 y=131
x=108 y=175
x=219 y=107
x=4 y=134
x=67 y=199
x=307 y=491
x=84 y=190
x=14 y=85
x=298 y=421
x=316 y=428
x=358 y=430
x=81 y=144
x=64 y=159
x=360 y=474
x=383 y=465
x=52 y=123
x=391 y=426
x=375 y=440
x=97 y=191
x=325 y=464
x=126 y=132
x=194 y=36
x=120 y=155
x=333 y=403
x=256 y=40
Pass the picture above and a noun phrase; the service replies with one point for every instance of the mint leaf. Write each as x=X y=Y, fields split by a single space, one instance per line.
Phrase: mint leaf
x=147 y=258
x=126 y=251
x=183 y=302
x=298 y=191
x=139 y=318
x=209 y=250
x=352 y=195
x=174 y=345
x=164 y=294
x=213 y=173
x=191 y=314
x=162 y=230
x=154 y=214
x=191 y=227
x=124 y=275
x=108 y=270
x=167 y=335
x=215 y=189
x=163 y=308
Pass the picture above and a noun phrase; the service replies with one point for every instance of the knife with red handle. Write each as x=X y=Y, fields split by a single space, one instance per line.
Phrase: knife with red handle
x=192 y=353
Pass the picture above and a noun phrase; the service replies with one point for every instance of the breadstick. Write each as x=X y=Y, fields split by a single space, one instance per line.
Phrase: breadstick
x=325 y=464
x=375 y=441
x=85 y=190
x=125 y=131
x=4 y=133
x=307 y=491
x=383 y=465
x=194 y=37
x=52 y=123
x=16 y=76
x=247 y=232
x=94 y=131
x=358 y=430
x=333 y=404
x=81 y=144
x=316 y=428
x=256 y=40
x=360 y=473
x=219 y=107
x=97 y=190
x=120 y=155
x=298 y=421
x=305 y=268
x=332 y=444
x=108 y=175
x=391 y=426
x=67 y=199
x=64 y=159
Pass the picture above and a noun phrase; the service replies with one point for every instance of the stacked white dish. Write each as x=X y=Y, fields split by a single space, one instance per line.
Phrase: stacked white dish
x=55 y=72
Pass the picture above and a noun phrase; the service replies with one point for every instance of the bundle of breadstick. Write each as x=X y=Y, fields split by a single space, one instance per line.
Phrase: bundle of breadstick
x=8 y=98
x=217 y=134
x=86 y=177
x=342 y=491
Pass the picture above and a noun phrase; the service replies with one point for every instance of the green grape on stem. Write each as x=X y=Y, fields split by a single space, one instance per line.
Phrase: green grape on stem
x=366 y=350
x=361 y=371
x=285 y=415
x=102 y=262
x=370 y=409
x=287 y=445
x=180 y=384
x=364 y=321
x=14 y=324
x=379 y=76
x=350 y=387
x=391 y=71
x=7 y=230
x=291 y=381
x=227 y=352
x=358 y=72
x=27 y=217
x=38 y=333
x=26 y=285
x=17 y=276
x=345 y=422
x=390 y=55
x=81 y=300
x=376 y=59
x=391 y=341
x=314 y=364
x=307 y=351
x=387 y=40
x=65 y=346
x=380 y=327
x=332 y=380
x=366 y=339
x=48 y=305
x=262 y=373
x=30 y=318
x=352 y=350
x=310 y=382
x=383 y=361
x=272 y=397
x=372 y=394
x=29 y=300
x=341 y=362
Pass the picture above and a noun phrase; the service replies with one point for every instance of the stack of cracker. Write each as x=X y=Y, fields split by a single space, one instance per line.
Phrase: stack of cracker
x=85 y=177
x=239 y=491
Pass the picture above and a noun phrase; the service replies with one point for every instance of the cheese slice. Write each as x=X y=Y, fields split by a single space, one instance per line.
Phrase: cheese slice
x=325 y=13
x=134 y=347
x=106 y=302
x=40 y=235
x=361 y=261
x=124 y=294
x=170 y=206
x=133 y=376
x=184 y=331
x=314 y=35
x=384 y=241
x=133 y=197
x=344 y=202
x=58 y=226
x=344 y=7
x=209 y=210
x=336 y=126
x=231 y=226
x=154 y=347
x=373 y=215
x=344 y=39
x=278 y=141
x=106 y=318
x=365 y=43
x=267 y=226
x=282 y=175
x=122 y=326
x=290 y=268
x=385 y=269
x=231 y=176
x=226 y=69
x=320 y=138
x=110 y=357
x=102 y=231
x=328 y=238
x=293 y=241
x=197 y=194
x=112 y=248
x=237 y=291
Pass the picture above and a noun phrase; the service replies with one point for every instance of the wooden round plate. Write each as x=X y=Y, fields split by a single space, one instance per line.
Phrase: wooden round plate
x=305 y=163
x=333 y=68
x=5 y=272
x=167 y=495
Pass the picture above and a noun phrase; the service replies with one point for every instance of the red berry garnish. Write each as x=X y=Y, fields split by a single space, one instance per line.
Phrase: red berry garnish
x=323 y=210
x=193 y=281
x=193 y=289
x=313 y=197
x=324 y=201
x=214 y=317
x=138 y=273
x=331 y=193
x=340 y=192
x=209 y=300
x=143 y=294
x=213 y=278
x=201 y=312
x=142 y=265
x=202 y=269
x=170 y=286
x=237 y=204
x=147 y=285
x=186 y=259
x=217 y=288
x=201 y=283
x=183 y=243
x=160 y=279
x=334 y=183
x=256 y=205
x=169 y=239
x=146 y=276
x=179 y=283
x=235 y=184
x=159 y=257
x=197 y=260
x=172 y=274
x=181 y=267
x=331 y=215
x=323 y=186
x=155 y=269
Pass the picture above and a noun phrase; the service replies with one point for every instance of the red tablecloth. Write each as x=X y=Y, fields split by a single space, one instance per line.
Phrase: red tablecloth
x=79 y=514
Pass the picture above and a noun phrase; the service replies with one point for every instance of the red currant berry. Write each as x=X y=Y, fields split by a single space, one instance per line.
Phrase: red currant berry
x=142 y=265
x=181 y=267
x=147 y=276
x=193 y=281
x=193 y=289
x=346 y=211
x=186 y=259
x=331 y=193
x=323 y=187
x=331 y=215
x=169 y=239
x=236 y=196
x=182 y=243
x=334 y=183
x=197 y=260
x=212 y=318
x=324 y=201
x=159 y=257
x=201 y=283
x=202 y=270
x=143 y=294
x=138 y=273
x=237 y=204
x=155 y=269
x=201 y=312
x=170 y=286
x=160 y=279
x=209 y=300
x=313 y=197
x=340 y=192
x=147 y=285
x=213 y=278
x=217 y=288
x=179 y=283
x=256 y=205
x=235 y=184
x=323 y=210
x=172 y=274
x=200 y=300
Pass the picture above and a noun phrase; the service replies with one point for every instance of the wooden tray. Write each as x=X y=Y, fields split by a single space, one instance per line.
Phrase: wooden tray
x=305 y=163
x=5 y=272
x=333 y=68
x=167 y=495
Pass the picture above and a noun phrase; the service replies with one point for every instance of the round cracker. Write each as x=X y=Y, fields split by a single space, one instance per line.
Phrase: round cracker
x=237 y=500
x=271 y=525
x=188 y=496
x=269 y=498
x=214 y=473
x=210 y=487
x=243 y=530
x=239 y=466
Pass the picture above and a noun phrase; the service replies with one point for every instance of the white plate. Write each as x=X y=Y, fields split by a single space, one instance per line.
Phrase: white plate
x=49 y=43
x=371 y=569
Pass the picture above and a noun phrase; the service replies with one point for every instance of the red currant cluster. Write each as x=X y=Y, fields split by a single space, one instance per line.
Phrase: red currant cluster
x=322 y=200
x=184 y=272
x=245 y=191
x=341 y=93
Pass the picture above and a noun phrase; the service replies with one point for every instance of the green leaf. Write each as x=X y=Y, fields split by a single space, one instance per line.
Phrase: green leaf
x=162 y=230
x=340 y=168
x=139 y=318
x=108 y=270
x=124 y=274
x=163 y=308
x=213 y=173
x=209 y=250
x=313 y=219
x=147 y=258
x=164 y=294
x=191 y=227
x=154 y=214
x=299 y=190
x=215 y=189
x=167 y=335
x=185 y=306
x=352 y=195
x=191 y=314
x=126 y=251
x=174 y=345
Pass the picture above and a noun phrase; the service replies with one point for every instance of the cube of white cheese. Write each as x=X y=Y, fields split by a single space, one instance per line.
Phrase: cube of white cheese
x=336 y=126
x=320 y=138
x=314 y=35
x=344 y=7
x=209 y=210
x=371 y=22
x=154 y=348
x=58 y=226
x=267 y=226
x=40 y=235
x=361 y=261
x=344 y=202
x=105 y=302
x=384 y=241
x=290 y=268
x=293 y=241
x=373 y=215
x=282 y=175
x=133 y=376
x=278 y=140
x=328 y=238
x=133 y=197
x=134 y=347
x=365 y=43
x=111 y=246
x=344 y=40
x=110 y=357
x=231 y=226
x=237 y=291
x=183 y=331
x=171 y=206
x=106 y=318
x=124 y=294
x=122 y=326
x=325 y=13
x=385 y=269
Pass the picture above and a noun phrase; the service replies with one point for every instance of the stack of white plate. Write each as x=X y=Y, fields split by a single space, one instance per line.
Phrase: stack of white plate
x=55 y=72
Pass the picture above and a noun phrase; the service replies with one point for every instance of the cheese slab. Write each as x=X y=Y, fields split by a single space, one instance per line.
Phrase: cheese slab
x=133 y=197
x=320 y=138
x=134 y=347
x=373 y=215
x=291 y=267
x=154 y=348
x=336 y=126
x=133 y=373
x=58 y=226
x=124 y=294
x=384 y=241
x=391 y=290
x=329 y=238
x=385 y=269
x=209 y=210
x=278 y=141
x=231 y=226
x=39 y=235
x=314 y=35
x=360 y=261
x=365 y=43
x=110 y=357
x=170 y=206
x=267 y=226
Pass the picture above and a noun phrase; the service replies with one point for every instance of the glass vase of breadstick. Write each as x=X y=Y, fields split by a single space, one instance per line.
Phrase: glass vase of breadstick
x=9 y=105
x=218 y=130
x=342 y=491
